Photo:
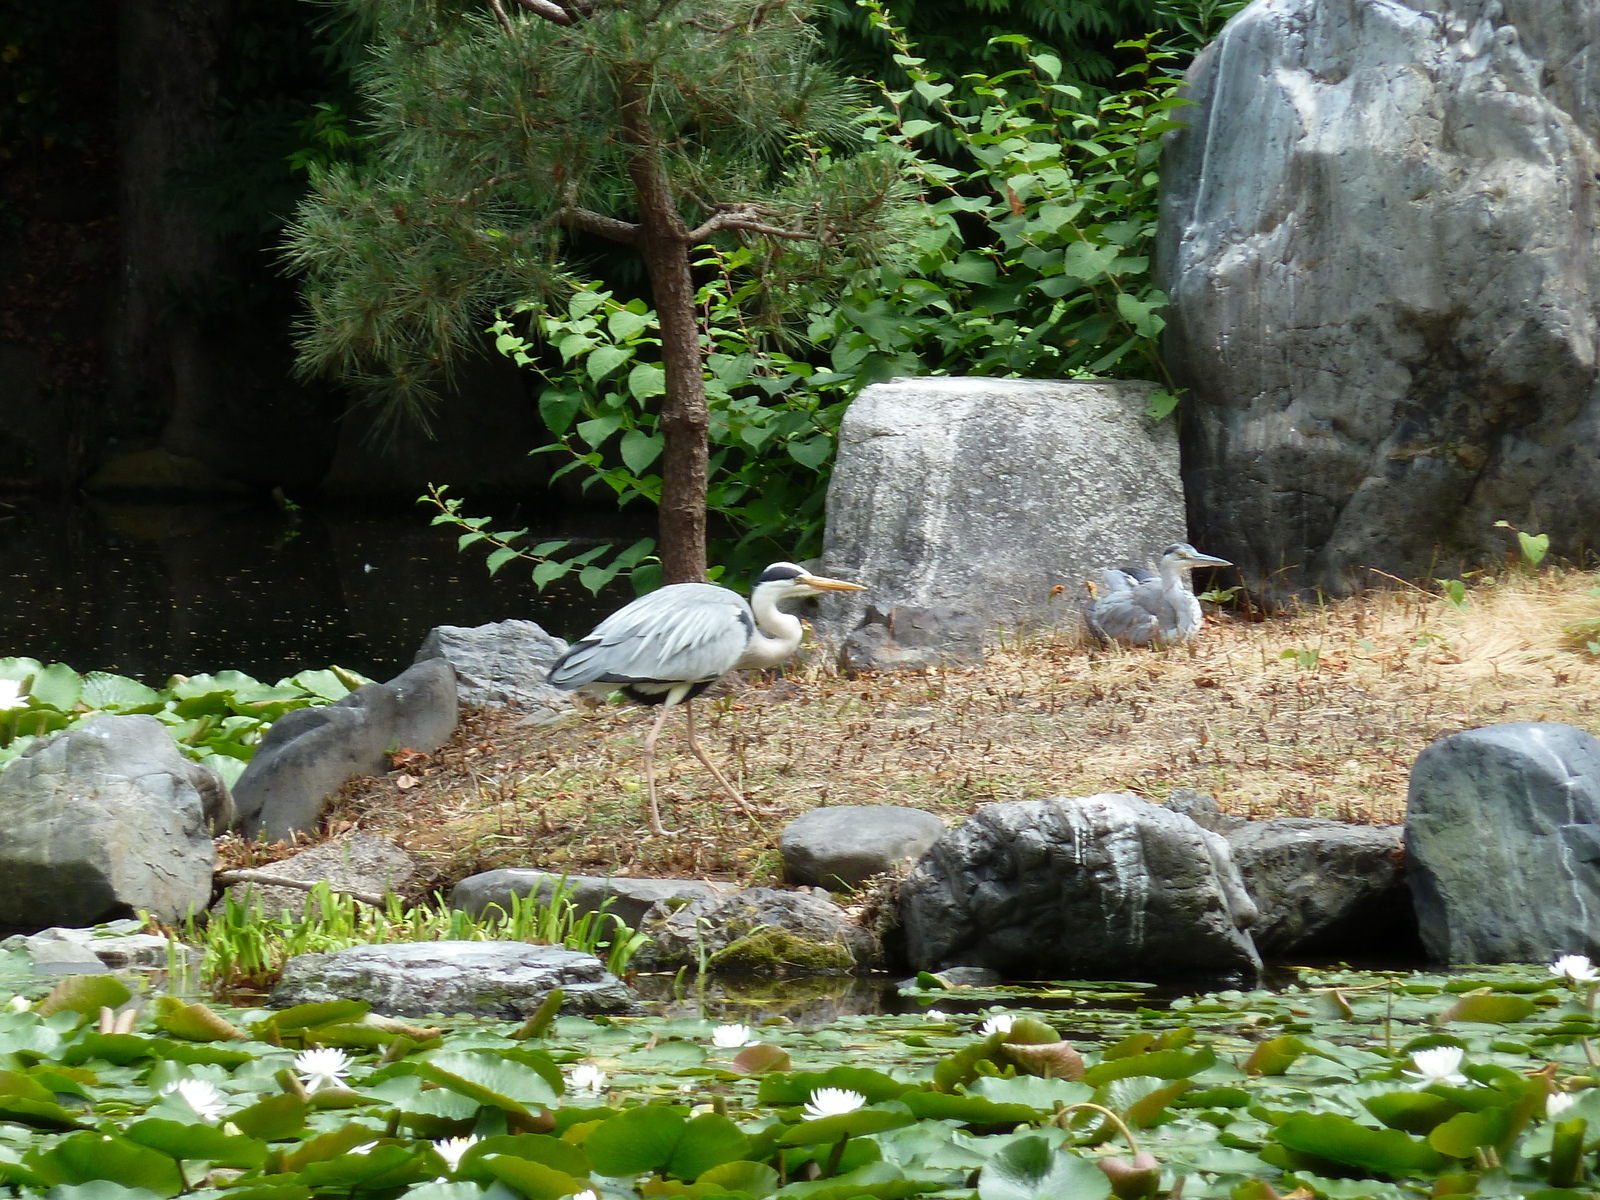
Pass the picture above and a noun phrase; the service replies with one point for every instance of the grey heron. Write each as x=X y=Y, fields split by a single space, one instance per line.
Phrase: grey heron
x=1143 y=608
x=670 y=645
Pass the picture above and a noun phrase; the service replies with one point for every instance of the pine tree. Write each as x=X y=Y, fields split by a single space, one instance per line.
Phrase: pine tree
x=508 y=133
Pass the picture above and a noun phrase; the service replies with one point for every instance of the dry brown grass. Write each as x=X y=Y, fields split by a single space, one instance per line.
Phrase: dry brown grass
x=1329 y=731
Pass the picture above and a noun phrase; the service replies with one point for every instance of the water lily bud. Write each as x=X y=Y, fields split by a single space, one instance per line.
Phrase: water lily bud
x=1136 y=1180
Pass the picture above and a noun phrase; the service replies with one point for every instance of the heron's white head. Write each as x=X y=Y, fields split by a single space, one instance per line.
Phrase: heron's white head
x=1185 y=557
x=784 y=581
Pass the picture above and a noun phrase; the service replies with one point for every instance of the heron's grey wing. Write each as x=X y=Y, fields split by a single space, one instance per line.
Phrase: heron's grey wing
x=1180 y=615
x=1120 y=617
x=685 y=632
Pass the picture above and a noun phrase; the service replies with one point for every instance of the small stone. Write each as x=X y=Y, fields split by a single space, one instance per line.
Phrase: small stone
x=913 y=639
x=839 y=847
x=501 y=663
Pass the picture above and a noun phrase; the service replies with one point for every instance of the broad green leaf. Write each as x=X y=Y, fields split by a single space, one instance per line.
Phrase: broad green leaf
x=1339 y=1139
x=81 y=1157
x=646 y=381
x=752 y=1178
x=532 y=1179
x=1162 y=1064
x=812 y=452
x=85 y=995
x=1414 y=1112
x=196 y=1022
x=1489 y=1008
x=272 y=1118
x=384 y=1166
x=598 y=429
x=708 y=1140
x=971 y=268
x=638 y=1140
x=606 y=359
x=1029 y=1169
x=639 y=449
x=117 y=693
x=490 y=1079
x=623 y=324
x=530 y=1147
x=58 y=686
x=1274 y=1056
x=857 y=1124
x=1465 y=1132
x=797 y=1088
x=558 y=408
x=198 y=1141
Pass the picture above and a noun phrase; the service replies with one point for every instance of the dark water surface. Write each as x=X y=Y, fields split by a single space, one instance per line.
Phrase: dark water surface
x=151 y=590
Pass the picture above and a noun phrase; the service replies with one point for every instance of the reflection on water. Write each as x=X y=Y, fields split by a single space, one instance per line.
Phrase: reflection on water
x=804 y=1000
x=150 y=590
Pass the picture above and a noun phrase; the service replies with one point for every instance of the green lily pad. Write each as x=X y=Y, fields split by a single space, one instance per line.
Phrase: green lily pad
x=1030 y=1169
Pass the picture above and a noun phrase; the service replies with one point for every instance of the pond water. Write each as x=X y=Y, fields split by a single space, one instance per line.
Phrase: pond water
x=150 y=590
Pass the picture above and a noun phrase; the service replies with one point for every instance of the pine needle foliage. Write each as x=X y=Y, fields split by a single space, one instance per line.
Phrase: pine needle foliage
x=503 y=132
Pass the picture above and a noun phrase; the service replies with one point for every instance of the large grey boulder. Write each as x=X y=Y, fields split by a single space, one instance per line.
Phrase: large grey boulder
x=1379 y=234
x=913 y=639
x=502 y=663
x=1324 y=887
x=629 y=899
x=760 y=931
x=839 y=847
x=982 y=495
x=308 y=753
x=359 y=862
x=1104 y=886
x=106 y=819
x=1503 y=844
x=508 y=980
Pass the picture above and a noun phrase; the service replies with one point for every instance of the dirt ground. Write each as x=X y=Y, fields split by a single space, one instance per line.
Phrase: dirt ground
x=1315 y=713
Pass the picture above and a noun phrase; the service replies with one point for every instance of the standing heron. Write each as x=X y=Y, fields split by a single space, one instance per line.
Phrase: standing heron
x=669 y=646
x=1140 y=608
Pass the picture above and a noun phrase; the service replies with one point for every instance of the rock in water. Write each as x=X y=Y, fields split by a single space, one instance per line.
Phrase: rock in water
x=508 y=980
x=759 y=931
x=1106 y=886
x=1503 y=844
x=1325 y=887
x=982 y=495
x=104 y=820
x=1379 y=233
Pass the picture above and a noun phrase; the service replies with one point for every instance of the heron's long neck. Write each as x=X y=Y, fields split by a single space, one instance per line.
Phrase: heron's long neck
x=777 y=633
x=1174 y=578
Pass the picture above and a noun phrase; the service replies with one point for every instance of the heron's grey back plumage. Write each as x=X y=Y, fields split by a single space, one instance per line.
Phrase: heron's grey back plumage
x=682 y=632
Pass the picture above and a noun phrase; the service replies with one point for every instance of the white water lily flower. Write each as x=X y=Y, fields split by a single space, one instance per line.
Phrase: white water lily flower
x=727 y=1037
x=936 y=1015
x=833 y=1102
x=1441 y=1064
x=364 y=1148
x=1558 y=1102
x=325 y=1067
x=451 y=1149
x=203 y=1097
x=1575 y=968
x=11 y=694
x=18 y=1004
x=999 y=1023
x=587 y=1194
x=586 y=1077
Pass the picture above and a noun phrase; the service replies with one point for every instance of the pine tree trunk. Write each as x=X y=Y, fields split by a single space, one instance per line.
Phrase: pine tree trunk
x=663 y=243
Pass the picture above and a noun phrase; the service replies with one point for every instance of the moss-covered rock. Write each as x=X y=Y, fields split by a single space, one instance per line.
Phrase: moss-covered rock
x=759 y=930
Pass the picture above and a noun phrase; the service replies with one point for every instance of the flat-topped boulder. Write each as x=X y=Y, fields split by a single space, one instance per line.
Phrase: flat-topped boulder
x=839 y=847
x=508 y=980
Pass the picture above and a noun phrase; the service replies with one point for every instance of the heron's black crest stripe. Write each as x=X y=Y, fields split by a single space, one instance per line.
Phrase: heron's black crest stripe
x=778 y=573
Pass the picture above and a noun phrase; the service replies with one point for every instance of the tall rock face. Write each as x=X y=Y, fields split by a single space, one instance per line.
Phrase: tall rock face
x=1379 y=236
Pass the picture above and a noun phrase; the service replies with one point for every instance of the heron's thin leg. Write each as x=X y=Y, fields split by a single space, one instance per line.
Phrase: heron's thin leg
x=694 y=744
x=650 y=768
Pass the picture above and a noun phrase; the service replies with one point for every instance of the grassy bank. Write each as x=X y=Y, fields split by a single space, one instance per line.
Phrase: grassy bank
x=1315 y=713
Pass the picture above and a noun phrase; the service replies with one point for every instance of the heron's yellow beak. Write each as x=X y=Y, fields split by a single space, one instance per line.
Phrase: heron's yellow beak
x=823 y=584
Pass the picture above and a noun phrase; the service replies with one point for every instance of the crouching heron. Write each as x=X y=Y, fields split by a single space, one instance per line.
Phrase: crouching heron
x=1142 y=608
x=669 y=646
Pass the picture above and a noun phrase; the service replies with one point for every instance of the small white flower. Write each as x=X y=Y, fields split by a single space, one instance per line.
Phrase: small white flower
x=1575 y=968
x=325 y=1067
x=11 y=694
x=833 y=1102
x=1439 y=1065
x=18 y=1004
x=935 y=1016
x=451 y=1149
x=726 y=1037
x=1557 y=1103
x=999 y=1023
x=364 y=1148
x=586 y=1077
x=587 y=1194
x=199 y=1095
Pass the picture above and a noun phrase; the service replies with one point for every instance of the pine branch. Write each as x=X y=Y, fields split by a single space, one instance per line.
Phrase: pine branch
x=593 y=222
x=500 y=15
x=549 y=10
x=747 y=220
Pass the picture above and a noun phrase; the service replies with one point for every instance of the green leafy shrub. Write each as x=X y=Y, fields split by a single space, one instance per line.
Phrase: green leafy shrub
x=216 y=719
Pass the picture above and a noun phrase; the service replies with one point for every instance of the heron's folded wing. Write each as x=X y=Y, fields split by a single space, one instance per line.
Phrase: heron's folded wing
x=1121 y=618
x=684 y=632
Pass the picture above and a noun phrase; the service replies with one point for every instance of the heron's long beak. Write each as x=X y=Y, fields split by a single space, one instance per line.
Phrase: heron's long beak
x=823 y=584
x=1209 y=560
